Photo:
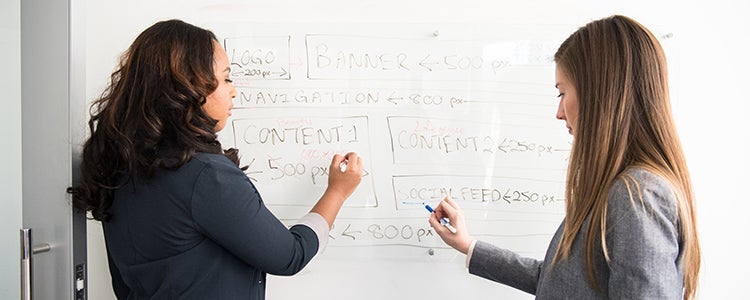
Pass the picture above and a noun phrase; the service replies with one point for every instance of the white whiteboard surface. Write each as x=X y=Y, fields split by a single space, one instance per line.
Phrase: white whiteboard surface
x=444 y=82
x=434 y=110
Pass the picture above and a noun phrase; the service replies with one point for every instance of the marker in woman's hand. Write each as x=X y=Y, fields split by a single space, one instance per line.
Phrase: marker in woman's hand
x=443 y=220
x=342 y=166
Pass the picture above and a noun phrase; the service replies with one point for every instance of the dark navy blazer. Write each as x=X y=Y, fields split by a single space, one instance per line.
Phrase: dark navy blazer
x=199 y=232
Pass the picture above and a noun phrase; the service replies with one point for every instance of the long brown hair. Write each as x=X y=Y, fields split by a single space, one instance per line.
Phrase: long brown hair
x=150 y=116
x=619 y=72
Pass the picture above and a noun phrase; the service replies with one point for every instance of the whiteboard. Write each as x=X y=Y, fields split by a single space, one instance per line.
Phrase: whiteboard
x=434 y=110
x=707 y=63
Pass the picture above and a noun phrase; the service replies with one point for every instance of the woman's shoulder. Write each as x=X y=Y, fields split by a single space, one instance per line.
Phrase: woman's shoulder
x=213 y=163
x=641 y=190
x=213 y=159
x=217 y=170
x=640 y=179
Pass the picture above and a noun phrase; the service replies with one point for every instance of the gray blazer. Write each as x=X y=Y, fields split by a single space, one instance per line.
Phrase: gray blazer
x=643 y=241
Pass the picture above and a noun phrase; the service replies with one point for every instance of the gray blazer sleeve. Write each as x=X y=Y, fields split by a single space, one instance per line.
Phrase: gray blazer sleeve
x=643 y=239
x=643 y=245
x=505 y=266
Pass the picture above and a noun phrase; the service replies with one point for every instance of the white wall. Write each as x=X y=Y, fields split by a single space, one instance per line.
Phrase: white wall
x=707 y=55
x=711 y=104
x=10 y=153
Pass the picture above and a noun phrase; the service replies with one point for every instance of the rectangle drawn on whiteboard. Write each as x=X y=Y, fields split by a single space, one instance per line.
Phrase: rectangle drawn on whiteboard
x=421 y=140
x=258 y=58
x=368 y=57
x=529 y=196
x=296 y=151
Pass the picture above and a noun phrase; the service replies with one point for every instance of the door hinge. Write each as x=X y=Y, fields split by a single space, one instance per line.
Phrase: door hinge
x=80 y=282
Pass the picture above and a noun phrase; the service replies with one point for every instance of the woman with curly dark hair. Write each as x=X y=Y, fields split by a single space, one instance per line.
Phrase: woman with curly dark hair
x=181 y=220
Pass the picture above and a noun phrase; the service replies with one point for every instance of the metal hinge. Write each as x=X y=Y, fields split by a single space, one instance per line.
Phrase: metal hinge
x=80 y=282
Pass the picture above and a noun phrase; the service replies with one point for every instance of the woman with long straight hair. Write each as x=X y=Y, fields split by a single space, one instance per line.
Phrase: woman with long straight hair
x=630 y=227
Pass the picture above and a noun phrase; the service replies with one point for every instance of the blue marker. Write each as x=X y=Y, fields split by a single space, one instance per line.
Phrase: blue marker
x=443 y=220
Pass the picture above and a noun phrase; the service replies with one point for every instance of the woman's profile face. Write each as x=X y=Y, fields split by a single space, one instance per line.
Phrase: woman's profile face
x=567 y=110
x=219 y=103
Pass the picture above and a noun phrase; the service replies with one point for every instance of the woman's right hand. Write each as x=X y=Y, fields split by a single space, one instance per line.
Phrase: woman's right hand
x=449 y=209
x=341 y=185
x=344 y=174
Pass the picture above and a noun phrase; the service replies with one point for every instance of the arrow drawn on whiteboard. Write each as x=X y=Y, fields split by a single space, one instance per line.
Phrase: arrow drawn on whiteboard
x=414 y=202
x=249 y=173
x=424 y=64
x=350 y=233
x=283 y=72
x=506 y=196
x=393 y=99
